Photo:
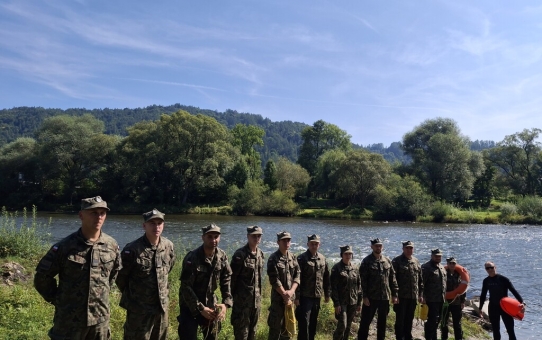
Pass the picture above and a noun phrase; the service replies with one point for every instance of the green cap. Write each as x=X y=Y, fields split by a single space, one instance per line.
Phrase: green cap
x=254 y=230
x=211 y=228
x=346 y=249
x=436 y=251
x=313 y=237
x=376 y=241
x=282 y=235
x=154 y=213
x=408 y=244
x=93 y=203
x=451 y=260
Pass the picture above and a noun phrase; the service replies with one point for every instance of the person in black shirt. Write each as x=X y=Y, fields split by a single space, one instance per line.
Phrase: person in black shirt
x=498 y=287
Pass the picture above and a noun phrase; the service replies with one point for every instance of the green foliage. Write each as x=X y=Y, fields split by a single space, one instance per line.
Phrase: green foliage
x=26 y=238
x=530 y=206
x=508 y=209
x=291 y=178
x=257 y=199
x=270 y=175
x=319 y=138
x=440 y=210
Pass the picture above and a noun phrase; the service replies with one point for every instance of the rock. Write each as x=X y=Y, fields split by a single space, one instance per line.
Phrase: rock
x=13 y=272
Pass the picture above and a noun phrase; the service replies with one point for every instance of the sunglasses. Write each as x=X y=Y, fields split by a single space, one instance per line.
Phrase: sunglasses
x=488 y=268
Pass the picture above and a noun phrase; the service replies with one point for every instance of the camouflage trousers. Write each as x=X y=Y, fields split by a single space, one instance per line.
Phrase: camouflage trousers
x=244 y=322
x=275 y=321
x=307 y=317
x=344 y=322
x=100 y=331
x=146 y=326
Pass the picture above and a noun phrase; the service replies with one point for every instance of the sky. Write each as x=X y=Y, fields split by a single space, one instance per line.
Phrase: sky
x=376 y=69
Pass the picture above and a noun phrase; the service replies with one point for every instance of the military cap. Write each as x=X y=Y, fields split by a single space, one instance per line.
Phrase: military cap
x=154 y=213
x=408 y=244
x=211 y=228
x=282 y=235
x=346 y=249
x=254 y=230
x=376 y=241
x=313 y=237
x=436 y=251
x=451 y=260
x=93 y=203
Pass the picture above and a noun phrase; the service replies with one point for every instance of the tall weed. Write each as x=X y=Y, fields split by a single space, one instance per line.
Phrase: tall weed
x=21 y=236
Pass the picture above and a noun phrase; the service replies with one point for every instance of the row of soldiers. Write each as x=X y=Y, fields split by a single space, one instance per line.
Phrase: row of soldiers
x=88 y=262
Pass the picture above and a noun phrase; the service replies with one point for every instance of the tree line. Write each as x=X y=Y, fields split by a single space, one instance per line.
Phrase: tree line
x=182 y=159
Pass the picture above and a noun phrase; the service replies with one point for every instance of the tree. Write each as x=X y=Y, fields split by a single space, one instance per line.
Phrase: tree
x=319 y=138
x=246 y=137
x=359 y=174
x=270 y=175
x=324 y=178
x=177 y=158
x=292 y=179
x=442 y=159
x=517 y=157
x=70 y=152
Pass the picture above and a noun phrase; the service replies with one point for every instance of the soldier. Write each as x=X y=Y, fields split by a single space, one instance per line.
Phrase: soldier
x=455 y=305
x=434 y=292
x=377 y=282
x=283 y=272
x=87 y=263
x=143 y=281
x=204 y=268
x=314 y=284
x=246 y=286
x=345 y=292
x=408 y=272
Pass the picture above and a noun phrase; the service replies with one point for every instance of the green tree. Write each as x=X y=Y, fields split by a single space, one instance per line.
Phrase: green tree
x=359 y=174
x=270 y=175
x=177 y=158
x=292 y=179
x=324 y=178
x=518 y=159
x=442 y=159
x=246 y=138
x=70 y=151
x=319 y=138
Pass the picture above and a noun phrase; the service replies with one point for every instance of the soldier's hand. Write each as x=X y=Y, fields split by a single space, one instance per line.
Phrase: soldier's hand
x=421 y=299
x=395 y=300
x=326 y=299
x=366 y=302
x=337 y=310
x=522 y=307
x=358 y=309
x=222 y=312
x=208 y=313
x=296 y=301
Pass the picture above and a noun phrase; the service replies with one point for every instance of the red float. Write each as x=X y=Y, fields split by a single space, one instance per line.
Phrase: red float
x=462 y=288
x=512 y=307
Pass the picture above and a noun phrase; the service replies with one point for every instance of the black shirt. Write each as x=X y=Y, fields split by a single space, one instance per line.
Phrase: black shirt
x=498 y=287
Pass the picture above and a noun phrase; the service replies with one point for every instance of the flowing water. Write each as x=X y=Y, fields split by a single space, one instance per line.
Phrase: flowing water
x=516 y=250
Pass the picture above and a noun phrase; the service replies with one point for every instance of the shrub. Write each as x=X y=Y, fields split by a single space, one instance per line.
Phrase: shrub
x=440 y=210
x=508 y=209
x=18 y=238
x=530 y=206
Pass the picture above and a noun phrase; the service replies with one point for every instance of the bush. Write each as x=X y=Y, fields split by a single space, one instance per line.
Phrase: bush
x=440 y=210
x=508 y=209
x=23 y=240
x=530 y=206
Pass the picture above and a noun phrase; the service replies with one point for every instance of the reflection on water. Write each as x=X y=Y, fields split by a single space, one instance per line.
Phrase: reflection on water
x=516 y=250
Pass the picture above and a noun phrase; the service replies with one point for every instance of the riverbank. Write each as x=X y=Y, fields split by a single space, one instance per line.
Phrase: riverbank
x=25 y=315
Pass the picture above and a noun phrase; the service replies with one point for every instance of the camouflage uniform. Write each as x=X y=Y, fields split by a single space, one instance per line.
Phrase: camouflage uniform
x=143 y=281
x=410 y=281
x=346 y=293
x=283 y=271
x=314 y=284
x=434 y=282
x=454 y=307
x=200 y=278
x=246 y=288
x=379 y=286
x=86 y=271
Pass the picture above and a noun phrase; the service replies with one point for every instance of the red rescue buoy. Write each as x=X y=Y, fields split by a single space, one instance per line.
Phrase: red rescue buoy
x=512 y=307
x=462 y=287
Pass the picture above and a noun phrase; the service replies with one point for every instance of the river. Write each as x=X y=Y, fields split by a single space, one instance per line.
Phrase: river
x=516 y=250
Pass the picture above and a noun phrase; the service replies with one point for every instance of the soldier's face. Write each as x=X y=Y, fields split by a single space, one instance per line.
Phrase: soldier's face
x=408 y=251
x=347 y=257
x=211 y=240
x=451 y=266
x=254 y=240
x=284 y=244
x=92 y=219
x=153 y=228
x=313 y=246
x=436 y=258
x=377 y=248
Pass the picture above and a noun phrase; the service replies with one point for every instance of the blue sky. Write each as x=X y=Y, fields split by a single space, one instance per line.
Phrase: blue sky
x=376 y=69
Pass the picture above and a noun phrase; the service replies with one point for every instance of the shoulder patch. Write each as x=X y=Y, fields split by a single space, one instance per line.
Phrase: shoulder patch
x=126 y=252
x=54 y=248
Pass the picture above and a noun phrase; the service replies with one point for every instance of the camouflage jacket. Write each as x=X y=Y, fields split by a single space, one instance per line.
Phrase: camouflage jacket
x=314 y=276
x=452 y=282
x=345 y=285
x=246 y=279
x=86 y=270
x=200 y=278
x=377 y=278
x=434 y=282
x=143 y=279
x=283 y=271
x=409 y=277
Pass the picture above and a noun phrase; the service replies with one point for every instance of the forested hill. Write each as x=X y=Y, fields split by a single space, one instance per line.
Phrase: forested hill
x=281 y=138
